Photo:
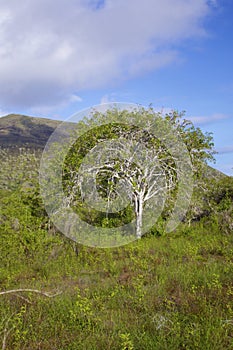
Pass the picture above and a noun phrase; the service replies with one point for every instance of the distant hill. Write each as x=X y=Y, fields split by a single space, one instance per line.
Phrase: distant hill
x=22 y=131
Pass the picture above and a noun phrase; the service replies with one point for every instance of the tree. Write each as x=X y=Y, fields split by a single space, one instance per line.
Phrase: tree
x=126 y=171
x=137 y=165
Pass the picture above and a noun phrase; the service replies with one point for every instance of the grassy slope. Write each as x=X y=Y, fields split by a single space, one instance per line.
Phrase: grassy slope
x=168 y=292
x=171 y=292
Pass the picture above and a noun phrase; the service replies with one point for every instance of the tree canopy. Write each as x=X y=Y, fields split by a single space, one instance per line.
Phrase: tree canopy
x=115 y=162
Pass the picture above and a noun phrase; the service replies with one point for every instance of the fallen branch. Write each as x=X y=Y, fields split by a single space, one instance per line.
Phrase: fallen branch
x=14 y=291
x=23 y=298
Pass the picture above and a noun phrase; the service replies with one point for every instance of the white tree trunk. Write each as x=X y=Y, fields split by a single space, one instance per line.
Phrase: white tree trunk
x=138 y=211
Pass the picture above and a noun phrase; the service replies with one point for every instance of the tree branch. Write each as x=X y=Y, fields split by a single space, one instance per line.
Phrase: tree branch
x=14 y=291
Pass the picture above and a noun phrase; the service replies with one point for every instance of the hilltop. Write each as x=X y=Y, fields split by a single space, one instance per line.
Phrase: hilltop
x=23 y=131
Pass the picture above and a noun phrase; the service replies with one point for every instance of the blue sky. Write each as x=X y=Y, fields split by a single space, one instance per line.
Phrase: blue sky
x=57 y=58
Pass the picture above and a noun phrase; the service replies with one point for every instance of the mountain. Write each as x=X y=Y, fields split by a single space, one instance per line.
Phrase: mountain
x=22 y=131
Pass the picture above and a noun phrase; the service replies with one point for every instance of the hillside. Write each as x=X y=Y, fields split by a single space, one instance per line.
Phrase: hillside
x=23 y=131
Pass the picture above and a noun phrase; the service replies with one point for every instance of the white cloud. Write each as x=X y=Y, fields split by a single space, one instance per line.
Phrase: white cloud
x=151 y=61
x=50 y=49
x=208 y=119
x=75 y=98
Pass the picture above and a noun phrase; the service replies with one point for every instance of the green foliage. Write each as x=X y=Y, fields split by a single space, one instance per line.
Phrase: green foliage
x=199 y=145
x=19 y=168
x=126 y=343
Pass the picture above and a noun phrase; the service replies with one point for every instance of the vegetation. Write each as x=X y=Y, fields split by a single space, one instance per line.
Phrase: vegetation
x=137 y=165
x=165 y=291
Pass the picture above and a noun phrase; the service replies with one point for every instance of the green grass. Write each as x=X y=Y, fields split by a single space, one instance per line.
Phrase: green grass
x=171 y=292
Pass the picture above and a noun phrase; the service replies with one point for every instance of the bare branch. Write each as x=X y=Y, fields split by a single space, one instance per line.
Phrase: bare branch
x=14 y=291
x=23 y=298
